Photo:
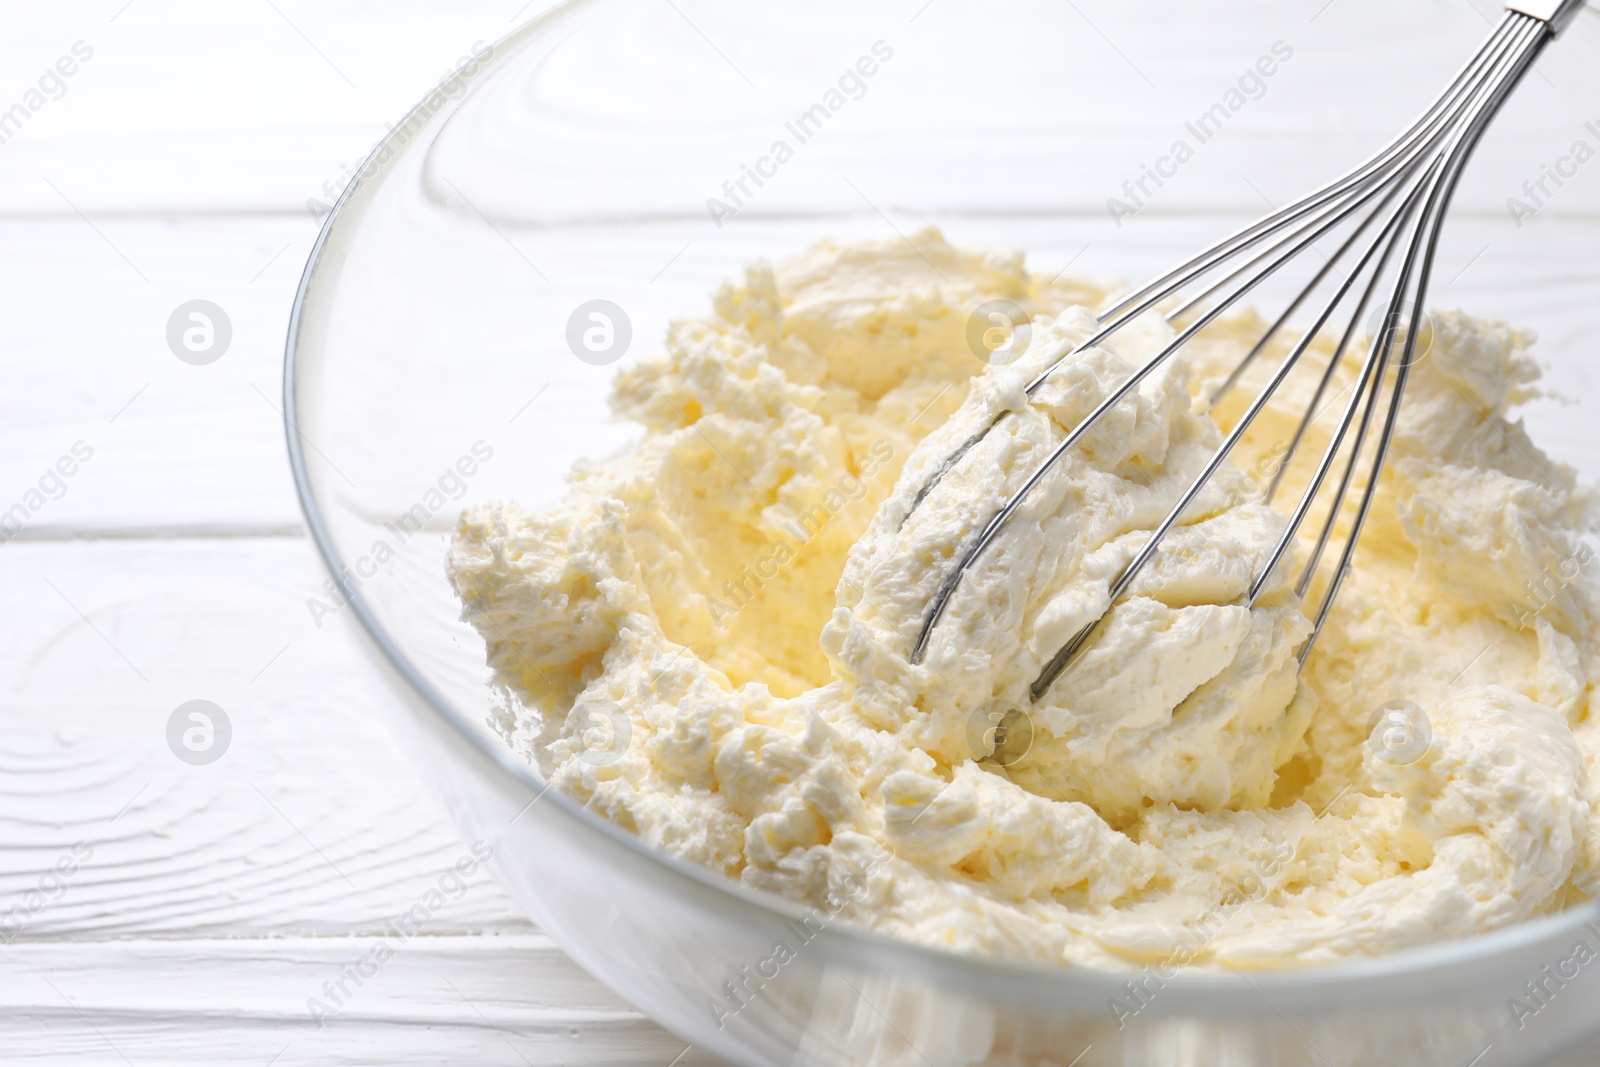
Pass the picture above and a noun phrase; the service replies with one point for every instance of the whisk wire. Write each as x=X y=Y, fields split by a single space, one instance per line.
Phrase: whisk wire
x=1063 y=658
x=1382 y=340
x=1202 y=262
x=1427 y=135
x=1420 y=168
x=1137 y=303
x=1532 y=37
x=1325 y=224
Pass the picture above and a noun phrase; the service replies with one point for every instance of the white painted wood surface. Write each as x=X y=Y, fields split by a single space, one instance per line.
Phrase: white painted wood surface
x=208 y=904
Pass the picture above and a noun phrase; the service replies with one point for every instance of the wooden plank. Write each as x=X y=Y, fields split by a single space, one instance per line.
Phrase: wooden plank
x=200 y=449
x=170 y=104
x=514 y=1000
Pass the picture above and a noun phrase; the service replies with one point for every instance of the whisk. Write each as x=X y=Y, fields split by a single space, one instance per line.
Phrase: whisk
x=1395 y=201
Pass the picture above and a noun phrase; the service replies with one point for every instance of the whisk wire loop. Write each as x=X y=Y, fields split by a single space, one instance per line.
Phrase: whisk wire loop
x=1405 y=190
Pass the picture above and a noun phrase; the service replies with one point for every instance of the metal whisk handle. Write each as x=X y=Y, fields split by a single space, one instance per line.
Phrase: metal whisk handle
x=1558 y=13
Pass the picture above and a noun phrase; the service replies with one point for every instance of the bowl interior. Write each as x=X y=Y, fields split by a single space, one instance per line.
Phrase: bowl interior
x=607 y=153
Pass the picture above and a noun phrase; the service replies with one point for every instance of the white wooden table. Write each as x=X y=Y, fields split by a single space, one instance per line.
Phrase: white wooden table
x=196 y=910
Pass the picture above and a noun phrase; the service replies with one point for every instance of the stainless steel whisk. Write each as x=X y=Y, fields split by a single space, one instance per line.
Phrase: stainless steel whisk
x=1403 y=193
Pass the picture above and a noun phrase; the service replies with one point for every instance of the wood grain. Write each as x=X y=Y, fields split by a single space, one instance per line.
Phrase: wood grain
x=511 y=1000
x=309 y=824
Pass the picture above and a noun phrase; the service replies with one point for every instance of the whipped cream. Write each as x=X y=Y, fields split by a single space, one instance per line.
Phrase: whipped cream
x=707 y=640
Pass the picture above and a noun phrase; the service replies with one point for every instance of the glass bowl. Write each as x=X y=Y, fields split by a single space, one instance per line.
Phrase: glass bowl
x=625 y=151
